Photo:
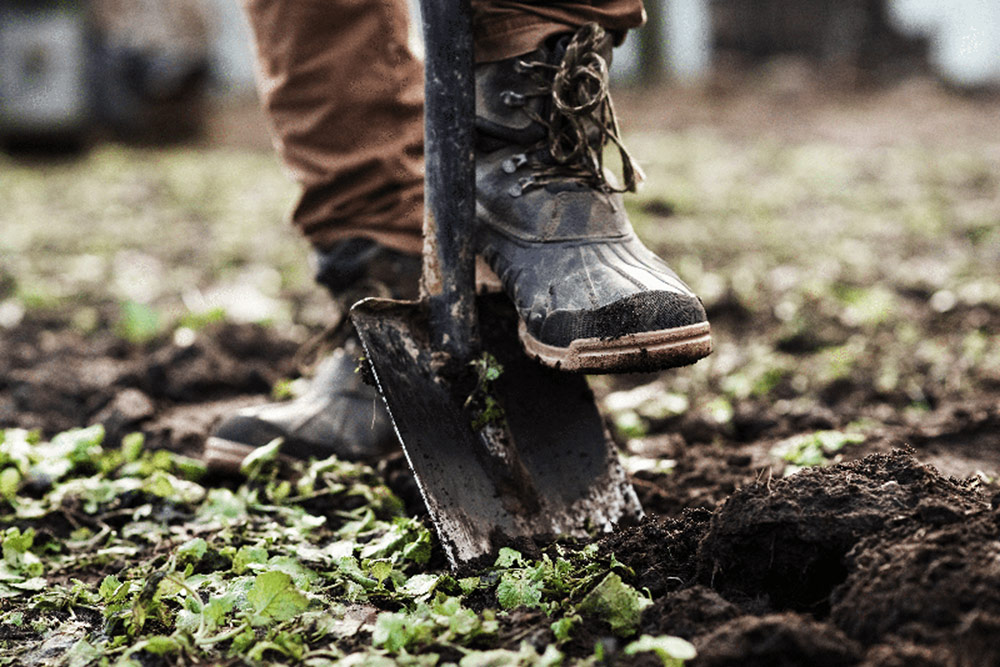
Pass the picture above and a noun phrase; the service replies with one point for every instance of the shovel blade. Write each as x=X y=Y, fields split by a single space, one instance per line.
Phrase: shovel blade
x=546 y=469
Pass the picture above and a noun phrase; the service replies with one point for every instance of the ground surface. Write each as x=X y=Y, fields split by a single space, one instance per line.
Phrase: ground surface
x=846 y=248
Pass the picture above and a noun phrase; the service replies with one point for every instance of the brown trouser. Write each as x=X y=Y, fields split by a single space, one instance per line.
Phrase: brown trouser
x=345 y=98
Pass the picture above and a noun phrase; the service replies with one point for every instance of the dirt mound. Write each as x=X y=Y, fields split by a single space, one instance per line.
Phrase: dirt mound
x=788 y=540
x=688 y=613
x=661 y=551
x=877 y=561
x=927 y=583
x=778 y=640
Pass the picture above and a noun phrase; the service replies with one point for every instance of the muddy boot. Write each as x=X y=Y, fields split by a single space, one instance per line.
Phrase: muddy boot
x=339 y=414
x=591 y=297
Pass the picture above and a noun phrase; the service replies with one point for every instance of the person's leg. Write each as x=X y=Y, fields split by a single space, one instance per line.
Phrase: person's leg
x=348 y=127
x=508 y=28
x=344 y=95
x=345 y=99
x=550 y=223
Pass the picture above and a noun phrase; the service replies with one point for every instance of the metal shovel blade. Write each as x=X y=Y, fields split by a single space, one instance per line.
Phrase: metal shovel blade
x=545 y=469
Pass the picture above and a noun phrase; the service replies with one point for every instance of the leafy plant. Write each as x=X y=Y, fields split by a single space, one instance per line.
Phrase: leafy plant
x=672 y=651
x=813 y=449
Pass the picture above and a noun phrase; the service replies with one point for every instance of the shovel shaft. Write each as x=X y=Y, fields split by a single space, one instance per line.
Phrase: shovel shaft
x=449 y=254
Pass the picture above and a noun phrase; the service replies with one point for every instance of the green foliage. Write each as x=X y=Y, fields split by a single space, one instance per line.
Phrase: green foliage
x=138 y=322
x=616 y=602
x=813 y=449
x=520 y=588
x=252 y=573
x=261 y=460
x=485 y=408
x=673 y=651
x=274 y=597
x=441 y=622
x=633 y=410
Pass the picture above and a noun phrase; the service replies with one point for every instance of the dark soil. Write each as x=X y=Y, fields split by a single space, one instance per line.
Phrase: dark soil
x=881 y=560
x=54 y=379
x=877 y=561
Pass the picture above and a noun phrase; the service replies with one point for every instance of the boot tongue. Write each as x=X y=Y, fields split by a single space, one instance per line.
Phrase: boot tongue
x=508 y=97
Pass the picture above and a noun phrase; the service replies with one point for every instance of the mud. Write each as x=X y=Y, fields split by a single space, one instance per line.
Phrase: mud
x=879 y=560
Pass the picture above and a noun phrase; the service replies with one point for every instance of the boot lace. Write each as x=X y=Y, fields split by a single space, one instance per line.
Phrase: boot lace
x=581 y=118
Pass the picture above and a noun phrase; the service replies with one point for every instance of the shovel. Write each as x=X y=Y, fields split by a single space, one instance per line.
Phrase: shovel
x=502 y=448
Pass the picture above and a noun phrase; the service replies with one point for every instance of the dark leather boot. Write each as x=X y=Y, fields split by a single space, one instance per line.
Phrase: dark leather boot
x=339 y=414
x=552 y=225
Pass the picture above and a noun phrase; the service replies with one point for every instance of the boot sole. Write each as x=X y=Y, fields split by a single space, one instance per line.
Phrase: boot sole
x=633 y=353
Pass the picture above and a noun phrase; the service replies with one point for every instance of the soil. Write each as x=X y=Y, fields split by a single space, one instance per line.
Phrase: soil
x=874 y=561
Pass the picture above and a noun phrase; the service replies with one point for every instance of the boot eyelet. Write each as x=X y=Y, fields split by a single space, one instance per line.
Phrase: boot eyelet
x=522 y=185
x=512 y=99
x=512 y=164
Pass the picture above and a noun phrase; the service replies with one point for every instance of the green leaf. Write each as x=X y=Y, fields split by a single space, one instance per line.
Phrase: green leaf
x=216 y=610
x=380 y=569
x=222 y=505
x=564 y=626
x=159 y=645
x=16 y=554
x=138 y=322
x=672 y=651
x=390 y=631
x=615 y=602
x=248 y=556
x=260 y=458
x=10 y=482
x=516 y=589
x=112 y=590
x=275 y=597
x=300 y=574
x=469 y=584
x=396 y=631
x=348 y=567
x=508 y=558
x=132 y=445
x=420 y=586
x=82 y=653
x=16 y=543
x=192 y=550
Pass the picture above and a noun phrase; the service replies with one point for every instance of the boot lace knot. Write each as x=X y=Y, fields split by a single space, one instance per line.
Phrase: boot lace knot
x=581 y=118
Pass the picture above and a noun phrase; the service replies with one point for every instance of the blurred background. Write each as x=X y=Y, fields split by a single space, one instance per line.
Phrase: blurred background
x=76 y=71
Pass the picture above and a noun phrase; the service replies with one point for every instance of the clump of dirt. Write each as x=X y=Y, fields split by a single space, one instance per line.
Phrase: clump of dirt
x=53 y=378
x=788 y=539
x=688 y=613
x=777 y=640
x=926 y=581
x=661 y=551
x=876 y=561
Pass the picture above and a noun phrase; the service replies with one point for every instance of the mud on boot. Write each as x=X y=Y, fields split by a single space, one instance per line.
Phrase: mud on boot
x=338 y=414
x=591 y=297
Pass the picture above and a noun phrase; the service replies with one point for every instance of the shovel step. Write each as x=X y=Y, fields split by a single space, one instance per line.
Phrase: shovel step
x=546 y=469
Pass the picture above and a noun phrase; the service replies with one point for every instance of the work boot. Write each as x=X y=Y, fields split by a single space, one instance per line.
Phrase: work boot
x=338 y=414
x=591 y=297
